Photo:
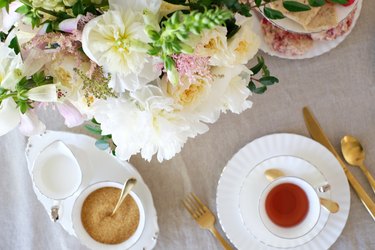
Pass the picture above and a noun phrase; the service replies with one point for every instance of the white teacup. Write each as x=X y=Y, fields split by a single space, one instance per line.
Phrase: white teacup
x=312 y=215
x=56 y=172
x=82 y=234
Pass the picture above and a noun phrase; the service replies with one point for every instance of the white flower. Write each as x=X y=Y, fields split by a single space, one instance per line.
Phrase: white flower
x=236 y=94
x=244 y=44
x=10 y=67
x=146 y=122
x=117 y=41
x=206 y=98
x=8 y=19
x=213 y=43
x=11 y=117
x=30 y=124
x=44 y=93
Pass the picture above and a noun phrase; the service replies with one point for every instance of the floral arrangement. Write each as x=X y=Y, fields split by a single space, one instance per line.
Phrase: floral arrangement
x=146 y=74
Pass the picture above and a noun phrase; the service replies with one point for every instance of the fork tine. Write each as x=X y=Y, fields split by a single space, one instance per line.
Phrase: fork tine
x=199 y=201
x=190 y=210
x=197 y=206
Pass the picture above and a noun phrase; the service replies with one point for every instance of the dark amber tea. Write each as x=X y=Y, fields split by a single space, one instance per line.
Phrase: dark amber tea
x=287 y=205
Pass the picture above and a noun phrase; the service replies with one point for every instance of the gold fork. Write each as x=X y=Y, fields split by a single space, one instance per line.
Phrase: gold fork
x=204 y=217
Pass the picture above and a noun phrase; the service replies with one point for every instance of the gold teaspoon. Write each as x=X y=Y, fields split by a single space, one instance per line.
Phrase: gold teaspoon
x=331 y=206
x=128 y=185
x=354 y=154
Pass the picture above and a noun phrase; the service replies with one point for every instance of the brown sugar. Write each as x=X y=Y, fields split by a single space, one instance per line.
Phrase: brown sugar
x=98 y=222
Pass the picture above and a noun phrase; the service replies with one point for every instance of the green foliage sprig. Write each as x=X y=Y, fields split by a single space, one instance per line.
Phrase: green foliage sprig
x=265 y=80
x=19 y=95
x=174 y=32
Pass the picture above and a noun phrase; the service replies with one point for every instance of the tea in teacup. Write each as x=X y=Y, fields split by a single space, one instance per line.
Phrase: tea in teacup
x=98 y=222
x=289 y=207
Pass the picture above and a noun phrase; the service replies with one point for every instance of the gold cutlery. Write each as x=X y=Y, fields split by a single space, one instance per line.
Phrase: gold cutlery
x=354 y=154
x=331 y=206
x=204 y=217
x=317 y=134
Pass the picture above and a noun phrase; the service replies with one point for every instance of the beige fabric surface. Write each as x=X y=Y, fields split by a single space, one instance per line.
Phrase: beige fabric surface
x=340 y=89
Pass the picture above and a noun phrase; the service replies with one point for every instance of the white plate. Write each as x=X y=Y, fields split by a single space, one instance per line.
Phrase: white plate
x=253 y=186
x=234 y=175
x=319 y=47
x=290 y=25
x=96 y=166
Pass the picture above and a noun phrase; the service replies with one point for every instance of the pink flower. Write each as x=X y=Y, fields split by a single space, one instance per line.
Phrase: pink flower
x=71 y=115
x=192 y=66
x=70 y=25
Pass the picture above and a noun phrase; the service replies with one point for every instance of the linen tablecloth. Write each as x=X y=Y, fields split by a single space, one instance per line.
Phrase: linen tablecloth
x=338 y=86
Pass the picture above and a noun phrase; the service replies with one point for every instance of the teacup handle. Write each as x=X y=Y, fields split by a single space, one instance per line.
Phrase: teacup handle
x=323 y=188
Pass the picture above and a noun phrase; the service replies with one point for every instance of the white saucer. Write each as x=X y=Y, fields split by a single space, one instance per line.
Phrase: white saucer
x=96 y=166
x=243 y=162
x=319 y=47
x=253 y=186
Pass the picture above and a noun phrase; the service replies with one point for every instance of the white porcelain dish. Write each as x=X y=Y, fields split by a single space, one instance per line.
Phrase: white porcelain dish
x=245 y=160
x=96 y=166
x=82 y=234
x=252 y=189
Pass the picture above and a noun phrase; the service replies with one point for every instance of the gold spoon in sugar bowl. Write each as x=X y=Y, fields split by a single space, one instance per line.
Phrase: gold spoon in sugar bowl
x=354 y=154
x=128 y=185
x=331 y=206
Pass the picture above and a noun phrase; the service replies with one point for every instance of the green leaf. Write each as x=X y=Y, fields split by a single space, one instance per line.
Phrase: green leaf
x=268 y=80
x=252 y=86
x=78 y=8
x=317 y=3
x=258 y=67
x=94 y=129
x=340 y=1
x=3 y=36
x=295 y=6
x=273 y=14
x=260 y=90
x=24 y=9
x=2 y=91
x=23 y=106
x=258 y=2
x=14 y=45
x=102 y=144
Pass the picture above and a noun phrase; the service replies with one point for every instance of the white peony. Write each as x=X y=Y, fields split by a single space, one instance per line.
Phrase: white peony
x=213 y=43
x=207 y=98
x=146 y=122
x=244 y=44
x=117 y=41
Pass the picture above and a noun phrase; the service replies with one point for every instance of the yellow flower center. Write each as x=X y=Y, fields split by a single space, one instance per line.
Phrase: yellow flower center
x=211 y=45
x=190 y=94
x=242 y=47
x=63 y=76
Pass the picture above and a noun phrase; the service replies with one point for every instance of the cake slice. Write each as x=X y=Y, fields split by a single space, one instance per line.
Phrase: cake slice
x=325 y=19
x=302 y=17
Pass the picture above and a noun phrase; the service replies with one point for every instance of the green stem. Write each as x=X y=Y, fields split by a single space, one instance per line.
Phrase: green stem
x=7 y=96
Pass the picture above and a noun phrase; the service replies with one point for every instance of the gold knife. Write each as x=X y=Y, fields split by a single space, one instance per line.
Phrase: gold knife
x=317 y=134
